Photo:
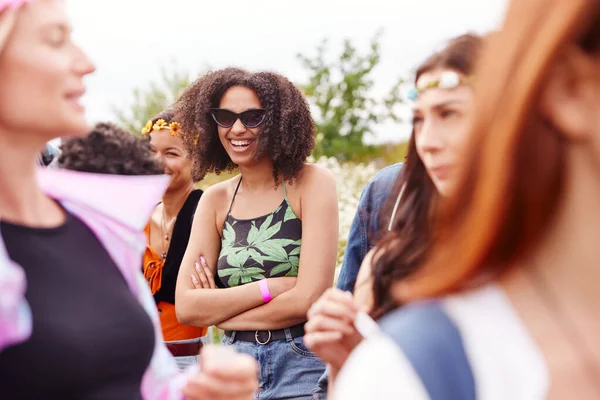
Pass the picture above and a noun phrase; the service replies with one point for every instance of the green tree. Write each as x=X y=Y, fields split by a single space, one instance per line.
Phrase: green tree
x=150 y=100
x=340 y=91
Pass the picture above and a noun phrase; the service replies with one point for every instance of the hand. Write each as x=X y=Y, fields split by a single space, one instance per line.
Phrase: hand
x=330 y=331
x=203 y=278
x=225 y=375
x=278 y=286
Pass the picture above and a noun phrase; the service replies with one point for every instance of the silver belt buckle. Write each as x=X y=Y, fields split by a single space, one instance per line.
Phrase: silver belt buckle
x=258 y=340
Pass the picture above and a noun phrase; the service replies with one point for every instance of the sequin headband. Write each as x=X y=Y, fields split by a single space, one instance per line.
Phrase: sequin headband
x=4 y=4
x=447 y=80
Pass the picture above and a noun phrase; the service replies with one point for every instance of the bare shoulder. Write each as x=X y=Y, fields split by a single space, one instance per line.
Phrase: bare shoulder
x=156 y=217
x=314 y=181
x=315 y=176
x=220 y=193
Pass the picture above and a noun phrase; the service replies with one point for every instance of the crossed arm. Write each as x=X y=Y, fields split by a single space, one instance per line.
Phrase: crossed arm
x=242 y=307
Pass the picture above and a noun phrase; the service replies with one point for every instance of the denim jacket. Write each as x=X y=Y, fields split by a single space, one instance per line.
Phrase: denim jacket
x=116 y=208
x=365 y=226
x=362 y=237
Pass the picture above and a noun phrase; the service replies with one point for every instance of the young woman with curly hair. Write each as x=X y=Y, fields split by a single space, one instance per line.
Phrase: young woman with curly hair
x=270 y=234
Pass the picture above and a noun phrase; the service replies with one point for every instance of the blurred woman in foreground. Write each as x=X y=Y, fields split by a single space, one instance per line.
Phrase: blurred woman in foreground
x=76 y=238
x=517 y=260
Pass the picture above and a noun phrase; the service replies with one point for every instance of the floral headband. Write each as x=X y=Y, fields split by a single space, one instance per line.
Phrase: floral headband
x=447 y=80
x=173 y=127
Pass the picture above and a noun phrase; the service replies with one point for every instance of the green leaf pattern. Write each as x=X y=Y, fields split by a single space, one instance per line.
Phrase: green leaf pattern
x=252 y=250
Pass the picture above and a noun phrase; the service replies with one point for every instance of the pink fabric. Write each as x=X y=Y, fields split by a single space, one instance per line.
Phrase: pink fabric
x=11 y=3
x=264 y=290
x=116 y=208
x=15 y=316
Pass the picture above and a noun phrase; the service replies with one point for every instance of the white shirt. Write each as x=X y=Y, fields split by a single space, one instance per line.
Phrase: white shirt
x=505 y=362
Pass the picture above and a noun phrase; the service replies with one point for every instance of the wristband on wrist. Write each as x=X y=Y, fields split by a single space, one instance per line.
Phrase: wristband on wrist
x=264 y=290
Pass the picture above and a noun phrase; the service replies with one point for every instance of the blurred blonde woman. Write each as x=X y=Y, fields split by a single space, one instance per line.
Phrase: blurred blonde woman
x=85 y=326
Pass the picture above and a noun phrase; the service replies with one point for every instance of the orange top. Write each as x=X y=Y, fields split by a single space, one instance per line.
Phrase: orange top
x=171 y=328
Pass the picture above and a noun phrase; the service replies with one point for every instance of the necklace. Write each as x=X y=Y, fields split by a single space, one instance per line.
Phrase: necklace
x=164 y=235
x=567 y=326
x=165 y=229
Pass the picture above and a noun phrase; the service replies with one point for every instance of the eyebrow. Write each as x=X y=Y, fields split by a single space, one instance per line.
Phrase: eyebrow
x=444 y=104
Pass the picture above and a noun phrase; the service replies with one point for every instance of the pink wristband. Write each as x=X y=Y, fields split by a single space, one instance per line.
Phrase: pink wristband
x=264 y=290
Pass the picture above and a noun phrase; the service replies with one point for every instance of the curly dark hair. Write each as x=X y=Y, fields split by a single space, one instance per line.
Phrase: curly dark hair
x=109 y=149
x=287 y=135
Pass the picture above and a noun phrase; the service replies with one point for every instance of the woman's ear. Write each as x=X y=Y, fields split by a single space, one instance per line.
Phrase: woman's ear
x=571 y=97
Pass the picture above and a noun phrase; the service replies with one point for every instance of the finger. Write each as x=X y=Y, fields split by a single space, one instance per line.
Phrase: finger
x=321 y=323
x=328 y=349
x=316 y=339
x=334 y=309
x=195 y=282
x=230 y=386
x=208 y=273
x=228 y=364
x=336 y=296
x=226 y=374
x=201 y=275
x=207 y=386
x=211 y=279
x=195 y=391
x=343 y=297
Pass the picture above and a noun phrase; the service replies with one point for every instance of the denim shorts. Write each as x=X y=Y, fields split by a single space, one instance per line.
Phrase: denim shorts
x=287 y=369
x=184 y=362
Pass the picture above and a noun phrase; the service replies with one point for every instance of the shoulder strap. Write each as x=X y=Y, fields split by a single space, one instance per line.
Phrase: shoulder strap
x=181 y=230
x=234 y=194
x=433 y=345
x=284 y=189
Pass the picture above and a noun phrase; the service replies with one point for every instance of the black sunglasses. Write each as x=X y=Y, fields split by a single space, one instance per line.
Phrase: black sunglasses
x=250 y=118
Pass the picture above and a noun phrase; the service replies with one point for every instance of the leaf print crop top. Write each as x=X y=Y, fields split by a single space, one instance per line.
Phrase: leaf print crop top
x=259 y=248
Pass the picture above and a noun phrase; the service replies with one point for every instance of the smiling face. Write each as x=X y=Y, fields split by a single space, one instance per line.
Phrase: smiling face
x=441 y=127
x=239 y=142
x=170 y=152
x=41 y=74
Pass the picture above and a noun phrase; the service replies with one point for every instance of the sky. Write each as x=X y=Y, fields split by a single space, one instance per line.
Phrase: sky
x=132 y=40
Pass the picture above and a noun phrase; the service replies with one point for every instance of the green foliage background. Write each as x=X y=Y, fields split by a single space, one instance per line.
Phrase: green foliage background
x=338 y=87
